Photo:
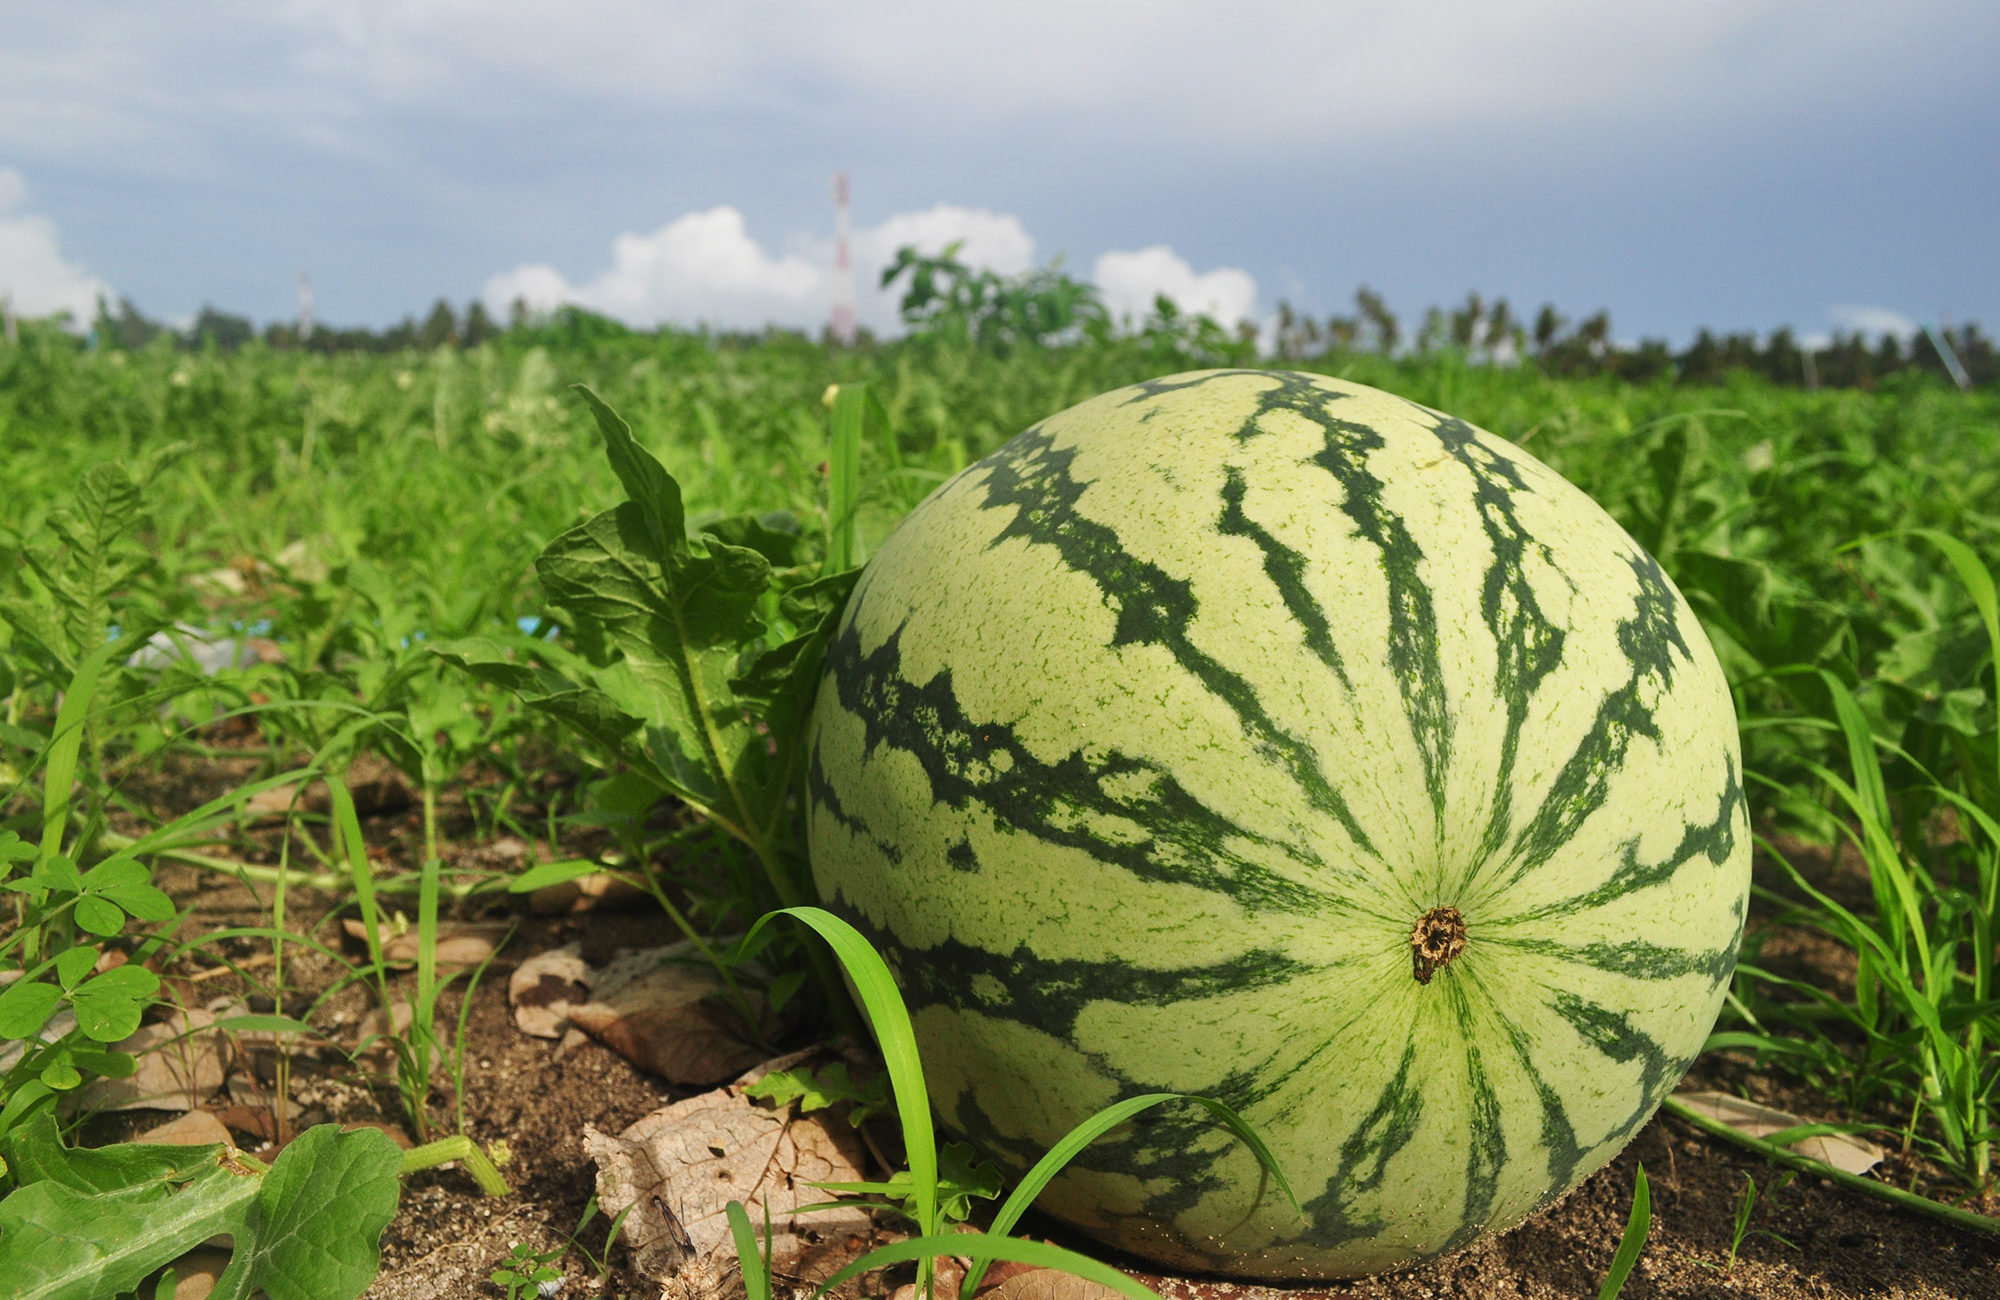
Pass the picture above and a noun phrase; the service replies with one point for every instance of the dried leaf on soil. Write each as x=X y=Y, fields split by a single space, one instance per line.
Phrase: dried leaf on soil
x=1048 y=1284
x=461 y=945
x=681 y=1166
x=663 y=1009
x=1848 y=1154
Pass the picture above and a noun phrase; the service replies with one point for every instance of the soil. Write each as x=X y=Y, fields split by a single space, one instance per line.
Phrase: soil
x=1806 y=1238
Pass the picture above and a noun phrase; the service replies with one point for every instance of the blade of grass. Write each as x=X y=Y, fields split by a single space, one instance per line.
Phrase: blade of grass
x=1072 y=1143
x=890 y=1020
x=1636 y=1227
x=986 y=1246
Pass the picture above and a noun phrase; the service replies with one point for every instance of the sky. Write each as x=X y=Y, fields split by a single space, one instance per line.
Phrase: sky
x=1730 y=164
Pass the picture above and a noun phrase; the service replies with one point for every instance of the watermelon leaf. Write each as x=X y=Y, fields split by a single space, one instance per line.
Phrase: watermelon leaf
x=82 y=1224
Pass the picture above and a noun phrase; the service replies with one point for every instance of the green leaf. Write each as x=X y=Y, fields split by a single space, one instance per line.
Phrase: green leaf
x=315 y=1228
x=544 y=874
x=87 y=1224
x=73 y=964
x=61 y=1074
x=681 y=612
x=99 y=917
x=817 y=1091
x=129 y=884
x=782 y=682
x=25 y=1006
x=58 y=873
x=108 y=1006
x=750 y=1258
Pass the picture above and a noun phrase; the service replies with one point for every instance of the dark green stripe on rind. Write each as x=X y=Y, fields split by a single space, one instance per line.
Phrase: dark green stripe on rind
x=1713 y=841
x=1486 y=1144
x=1651 y=640
x=1633 y=958
x=1558 y=1134
x=1528 y=645
x=1048 y=993
x=1286 y=569
x=1413 y=631
x=1364 y=1161
x=1032 y=477
x=967 y=762
x=1613 y=1034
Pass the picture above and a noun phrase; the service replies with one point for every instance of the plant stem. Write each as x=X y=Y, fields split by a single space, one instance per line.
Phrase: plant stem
x=1854 y=1182
x=328 y=881
x=464 y=1150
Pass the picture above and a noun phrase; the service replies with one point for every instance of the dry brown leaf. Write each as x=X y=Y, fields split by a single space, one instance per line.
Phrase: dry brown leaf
x=460 y=944
x=182 y=1062
x=1846 y=1153
x=1048 y=1284
x=663 y=1009
x=197 y=1128
x=544 y=987
x=681 y=1166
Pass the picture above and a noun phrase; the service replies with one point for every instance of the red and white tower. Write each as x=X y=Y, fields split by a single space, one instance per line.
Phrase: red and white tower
x=843 y=267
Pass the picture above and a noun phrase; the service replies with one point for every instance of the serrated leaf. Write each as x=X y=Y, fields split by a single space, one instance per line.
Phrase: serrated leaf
x=108 y=1006
x=315 y=1227
x=88 y=1224
x=782 y=682
x=774 y=534
x=680 y=611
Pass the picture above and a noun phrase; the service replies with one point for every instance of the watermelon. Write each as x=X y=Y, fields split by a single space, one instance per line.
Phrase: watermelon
x=1269 y=737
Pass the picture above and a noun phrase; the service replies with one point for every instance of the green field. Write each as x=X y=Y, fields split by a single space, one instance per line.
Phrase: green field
x=357 y=536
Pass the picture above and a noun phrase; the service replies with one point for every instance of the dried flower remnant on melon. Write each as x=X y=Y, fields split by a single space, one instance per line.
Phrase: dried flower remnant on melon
x=1438 y=937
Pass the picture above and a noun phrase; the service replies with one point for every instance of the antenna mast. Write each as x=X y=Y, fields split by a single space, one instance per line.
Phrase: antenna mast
x=843 y=267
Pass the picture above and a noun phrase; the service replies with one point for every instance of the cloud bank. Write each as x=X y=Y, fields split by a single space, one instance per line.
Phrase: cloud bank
x=706 y=268
x=34 y=275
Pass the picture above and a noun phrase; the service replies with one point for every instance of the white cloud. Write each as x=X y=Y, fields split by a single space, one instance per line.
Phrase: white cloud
x=33 y=271
x=1131 y=280
x=1872 y=321
x=706 y=268
x=994 y=241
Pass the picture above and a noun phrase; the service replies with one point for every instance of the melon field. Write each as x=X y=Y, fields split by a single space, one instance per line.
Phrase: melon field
x=399 y=750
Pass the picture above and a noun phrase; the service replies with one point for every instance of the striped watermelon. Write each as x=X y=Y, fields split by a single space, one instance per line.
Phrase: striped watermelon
x=1266 y=736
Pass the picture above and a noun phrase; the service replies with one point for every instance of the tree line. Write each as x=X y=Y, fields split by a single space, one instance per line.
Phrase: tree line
x=944 y=297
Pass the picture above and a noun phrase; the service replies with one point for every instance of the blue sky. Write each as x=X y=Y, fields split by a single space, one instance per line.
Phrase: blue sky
x=1739 y=164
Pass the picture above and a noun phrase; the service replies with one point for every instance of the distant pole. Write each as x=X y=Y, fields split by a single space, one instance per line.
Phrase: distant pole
x=305 y=307
x=1941 y=340
x=843 y=267
x=1812 y=375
